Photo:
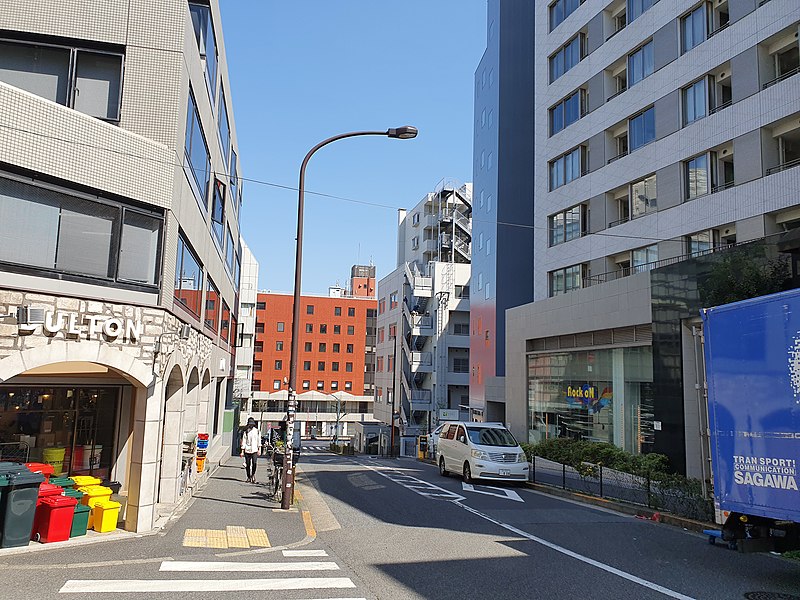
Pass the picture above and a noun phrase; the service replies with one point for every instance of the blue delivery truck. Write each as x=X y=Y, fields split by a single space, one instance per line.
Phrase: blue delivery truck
x=752 y=358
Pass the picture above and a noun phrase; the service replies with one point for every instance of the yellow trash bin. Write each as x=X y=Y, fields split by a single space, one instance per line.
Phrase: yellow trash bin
x=54 y=457
x=106 y=515
x=85 y=480
x=93 y=494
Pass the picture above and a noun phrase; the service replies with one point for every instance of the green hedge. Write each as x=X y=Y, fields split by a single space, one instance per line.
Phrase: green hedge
x=576 y=453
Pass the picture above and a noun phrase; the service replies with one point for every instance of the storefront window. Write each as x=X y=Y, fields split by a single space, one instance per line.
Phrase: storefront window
x=71 y=428
x=599 y=395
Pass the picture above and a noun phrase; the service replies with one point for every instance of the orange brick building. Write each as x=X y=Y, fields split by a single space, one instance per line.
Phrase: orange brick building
x=334 y=343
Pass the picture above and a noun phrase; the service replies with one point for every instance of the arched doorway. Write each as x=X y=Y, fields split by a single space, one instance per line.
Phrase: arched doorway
x=172 y=438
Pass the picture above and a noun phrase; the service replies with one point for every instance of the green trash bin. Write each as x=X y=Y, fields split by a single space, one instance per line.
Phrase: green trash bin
x=6 y=469
x=64 y=482
x=74 y=494
x=80 y=521
x=20 y=508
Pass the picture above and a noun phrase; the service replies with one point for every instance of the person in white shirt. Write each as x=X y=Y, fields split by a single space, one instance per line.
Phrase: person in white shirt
x=251 y=444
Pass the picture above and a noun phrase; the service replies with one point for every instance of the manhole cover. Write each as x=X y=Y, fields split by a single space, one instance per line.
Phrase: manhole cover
x=769 y=596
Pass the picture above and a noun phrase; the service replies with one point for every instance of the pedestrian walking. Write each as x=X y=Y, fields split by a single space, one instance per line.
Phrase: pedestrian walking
x=251 y=442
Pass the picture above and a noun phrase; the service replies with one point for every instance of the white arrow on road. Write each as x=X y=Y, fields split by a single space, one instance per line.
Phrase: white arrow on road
x=497 y=493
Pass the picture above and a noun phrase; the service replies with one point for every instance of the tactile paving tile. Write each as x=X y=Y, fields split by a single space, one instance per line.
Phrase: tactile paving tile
x=194 y=538
x=258 y=537
x=237 y=536
x=216 y=538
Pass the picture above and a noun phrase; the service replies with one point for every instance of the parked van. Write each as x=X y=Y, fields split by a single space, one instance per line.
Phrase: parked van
x=481 y=451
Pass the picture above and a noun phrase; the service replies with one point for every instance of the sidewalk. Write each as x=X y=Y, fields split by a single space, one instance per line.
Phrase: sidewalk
x=226 y=514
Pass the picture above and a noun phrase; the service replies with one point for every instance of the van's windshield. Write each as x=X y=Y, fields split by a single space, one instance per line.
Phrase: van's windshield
x=491 y=436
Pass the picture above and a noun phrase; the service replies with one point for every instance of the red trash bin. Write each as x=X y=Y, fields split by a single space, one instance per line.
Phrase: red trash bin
x=54 y=519
x=42 y=468
x=47 y=490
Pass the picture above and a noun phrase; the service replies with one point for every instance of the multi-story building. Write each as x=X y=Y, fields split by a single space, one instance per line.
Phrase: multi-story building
x=119 y=241
x=336 y=343
x=502 y=219
x=423 y=314
x=248 y=297
x=664 y=131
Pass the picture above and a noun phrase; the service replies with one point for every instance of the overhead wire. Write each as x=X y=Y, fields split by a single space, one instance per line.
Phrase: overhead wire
x=310 y=192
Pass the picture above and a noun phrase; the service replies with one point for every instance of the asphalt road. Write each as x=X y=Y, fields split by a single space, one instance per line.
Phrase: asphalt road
x=395 y=529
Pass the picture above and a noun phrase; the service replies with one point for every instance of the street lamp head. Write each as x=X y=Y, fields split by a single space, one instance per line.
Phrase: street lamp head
x=403 y=133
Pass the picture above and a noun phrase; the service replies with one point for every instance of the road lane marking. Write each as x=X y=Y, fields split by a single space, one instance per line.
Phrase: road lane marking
x=245 y=567
x=585 y=559
x=419 y=486
x=497 y=493
x=92 y=586
x=303 y=553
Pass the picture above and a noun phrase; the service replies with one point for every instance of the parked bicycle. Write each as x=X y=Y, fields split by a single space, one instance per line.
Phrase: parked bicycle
x=276 y=476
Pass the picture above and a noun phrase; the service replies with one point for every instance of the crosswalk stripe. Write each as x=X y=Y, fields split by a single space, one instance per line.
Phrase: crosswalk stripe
x=245 y=567
x=303 y=553
x=89 y=586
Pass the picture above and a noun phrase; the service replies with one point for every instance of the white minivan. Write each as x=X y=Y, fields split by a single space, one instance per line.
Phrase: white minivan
x=481 y=451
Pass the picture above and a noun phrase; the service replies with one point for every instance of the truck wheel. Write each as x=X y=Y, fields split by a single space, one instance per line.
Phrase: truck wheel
x=467 y=473
x=442 y=470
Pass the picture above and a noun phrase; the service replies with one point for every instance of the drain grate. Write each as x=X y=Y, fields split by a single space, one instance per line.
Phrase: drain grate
x=769 y=596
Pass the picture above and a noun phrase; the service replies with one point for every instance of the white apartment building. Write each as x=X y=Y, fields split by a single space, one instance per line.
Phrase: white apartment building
x=423 y=315
x=248 y=297
x=664 y=130
x=120 y=203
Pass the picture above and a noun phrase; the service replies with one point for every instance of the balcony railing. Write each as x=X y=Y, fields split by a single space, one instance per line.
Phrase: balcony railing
x=619 y=222
x=718 y=29
x=617 y=157
x=783 y=166
x=616 y=32
x=720 y=107
x=617 y=93
x=780 y=78
x=722 y=186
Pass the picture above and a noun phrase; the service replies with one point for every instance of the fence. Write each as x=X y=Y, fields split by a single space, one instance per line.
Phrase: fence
x=14 y=452
x=674 y=495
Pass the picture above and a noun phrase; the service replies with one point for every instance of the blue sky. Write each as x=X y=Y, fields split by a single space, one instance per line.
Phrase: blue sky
x=304 y=70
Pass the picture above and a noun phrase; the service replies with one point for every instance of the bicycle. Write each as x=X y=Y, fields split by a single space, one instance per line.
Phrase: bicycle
x=276 y=477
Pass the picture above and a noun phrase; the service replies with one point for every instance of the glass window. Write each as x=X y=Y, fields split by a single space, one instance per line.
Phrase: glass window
x=337 y=348
x=694 y=28
x=206 y=42
x=140 y=248
x=351 y=330
x=566 y=112
x=281 y=326
x=348 y=367
x=565 y=168
x=188 y=278
x=643 y=196
x=337 y=329
x=695 y=105
x=320 y=365
x=261 y=305
x=351 y=312
x=567 y=57
x=642 y=129
x=225 y=323
x=257 y=366
x=703 y=241
x=278 y=365
x=323 y=328
x=308 y=346
x=278 y=346
x=306 y=365
x=260 y=328
x=218 y=211
x=565 y=280
x=349 y=348
x=276 y=384
x=640 y=64
x=224 y=127
x=334 y=366
x=309 y=328
x=642 y=258
x=557 y=229
x=234 y=187
x=323 y=347
x=98 y=79
x=306 y=384
x=230 y=252
x=573 y=223
x=94 y=89
x=212 y=305
x=697 y=176
x=337 y=311
x=637 y=7
x=196 y=152
x=309 y=309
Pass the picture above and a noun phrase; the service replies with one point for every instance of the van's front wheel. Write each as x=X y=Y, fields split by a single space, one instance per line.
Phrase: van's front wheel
x=467 y=473
x=442 y=470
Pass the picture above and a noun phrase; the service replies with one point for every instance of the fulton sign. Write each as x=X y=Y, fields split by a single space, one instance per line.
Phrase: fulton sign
x=87 y=327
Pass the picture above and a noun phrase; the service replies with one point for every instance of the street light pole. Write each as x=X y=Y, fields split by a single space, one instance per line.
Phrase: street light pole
x=402 y=133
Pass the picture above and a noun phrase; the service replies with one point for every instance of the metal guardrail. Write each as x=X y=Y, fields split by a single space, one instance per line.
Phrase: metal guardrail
x=612 y=96
x=720 y=107
x=617 y=157
x=786 y=75
x=609 y=483
x=14 y=452
x=718 y=29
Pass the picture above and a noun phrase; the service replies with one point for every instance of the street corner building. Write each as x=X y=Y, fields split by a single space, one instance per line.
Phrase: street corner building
x=120 y=203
